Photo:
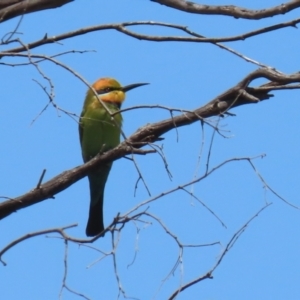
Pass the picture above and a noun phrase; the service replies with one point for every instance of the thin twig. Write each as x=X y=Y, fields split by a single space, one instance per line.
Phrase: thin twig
x=229 y=245
x=41 y=179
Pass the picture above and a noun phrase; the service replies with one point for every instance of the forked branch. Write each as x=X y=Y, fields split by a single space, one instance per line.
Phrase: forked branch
x=240 y=94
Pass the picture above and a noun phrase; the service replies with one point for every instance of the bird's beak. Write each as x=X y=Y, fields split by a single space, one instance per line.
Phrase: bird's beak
x=132 y=86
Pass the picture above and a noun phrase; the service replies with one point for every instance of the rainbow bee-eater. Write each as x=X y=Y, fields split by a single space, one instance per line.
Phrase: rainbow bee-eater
x=100 y=132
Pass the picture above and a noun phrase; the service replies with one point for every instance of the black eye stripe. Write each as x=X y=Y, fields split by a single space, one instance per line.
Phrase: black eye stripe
x=107 y=90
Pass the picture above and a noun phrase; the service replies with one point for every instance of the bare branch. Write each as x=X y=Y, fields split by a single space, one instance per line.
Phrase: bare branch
x=13 y=8
x=236 y=236
x=270 y=188
x=122 y=27
x=230 y=10
x=33 y=234
x=41 y=179
x=183 y=186
x=204 y=205
x=240 y=94
x=229 y=245
x=64 y=281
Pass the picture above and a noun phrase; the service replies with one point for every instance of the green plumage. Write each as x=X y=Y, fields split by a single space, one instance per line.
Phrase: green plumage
x=98 y=133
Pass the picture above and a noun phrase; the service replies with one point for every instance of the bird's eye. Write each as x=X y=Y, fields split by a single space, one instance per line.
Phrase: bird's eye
x=104 y=90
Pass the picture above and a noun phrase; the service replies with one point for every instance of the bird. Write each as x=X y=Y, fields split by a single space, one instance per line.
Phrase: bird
x=99 y=131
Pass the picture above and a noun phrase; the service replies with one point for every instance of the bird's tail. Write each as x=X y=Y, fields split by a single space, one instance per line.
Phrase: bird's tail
x=97 y=182
x=95 y=222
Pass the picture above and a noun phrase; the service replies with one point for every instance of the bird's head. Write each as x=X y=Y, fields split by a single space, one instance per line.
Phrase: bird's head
x=110 y=90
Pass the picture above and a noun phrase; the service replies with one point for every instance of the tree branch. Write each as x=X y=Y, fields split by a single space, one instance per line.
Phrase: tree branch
x=230 y=244
x=122 y=27
x=13 y=8
x=238 y=95
x=230 y=10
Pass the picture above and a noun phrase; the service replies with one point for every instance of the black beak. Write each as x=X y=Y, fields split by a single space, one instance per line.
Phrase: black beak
x=132 y=86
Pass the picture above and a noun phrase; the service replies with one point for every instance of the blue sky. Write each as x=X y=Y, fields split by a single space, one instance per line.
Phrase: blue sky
x=263 y=264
